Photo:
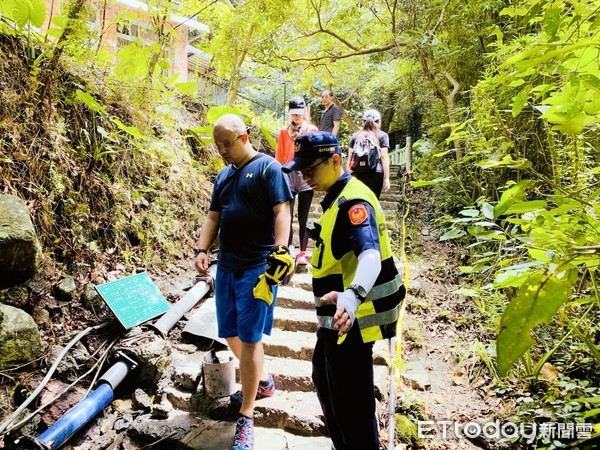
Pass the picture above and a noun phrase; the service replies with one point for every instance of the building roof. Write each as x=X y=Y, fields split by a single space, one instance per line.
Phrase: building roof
x=180 y=20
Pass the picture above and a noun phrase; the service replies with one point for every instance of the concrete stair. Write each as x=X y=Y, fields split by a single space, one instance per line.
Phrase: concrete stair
x=292 y=418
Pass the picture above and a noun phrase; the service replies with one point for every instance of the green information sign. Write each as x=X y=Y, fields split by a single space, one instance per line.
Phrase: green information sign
x=133 y=299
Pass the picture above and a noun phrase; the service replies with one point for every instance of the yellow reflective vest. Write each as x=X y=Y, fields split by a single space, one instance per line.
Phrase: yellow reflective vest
x=378 y=314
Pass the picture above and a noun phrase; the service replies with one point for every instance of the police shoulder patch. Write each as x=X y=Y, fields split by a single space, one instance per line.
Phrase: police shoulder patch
x=357 y=214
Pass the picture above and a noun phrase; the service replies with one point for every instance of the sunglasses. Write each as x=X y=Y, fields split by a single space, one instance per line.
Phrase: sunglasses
x=309 y=170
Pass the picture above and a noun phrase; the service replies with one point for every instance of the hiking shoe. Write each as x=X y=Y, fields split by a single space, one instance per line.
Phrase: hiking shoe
x=244 y=434
x=265 y=389
x=302 y=259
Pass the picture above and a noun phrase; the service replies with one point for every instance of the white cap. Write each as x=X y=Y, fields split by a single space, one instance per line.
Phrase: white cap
x=372 y=114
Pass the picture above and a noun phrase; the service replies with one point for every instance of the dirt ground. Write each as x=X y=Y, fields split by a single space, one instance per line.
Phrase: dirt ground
x=443 y=382
x=441 y=377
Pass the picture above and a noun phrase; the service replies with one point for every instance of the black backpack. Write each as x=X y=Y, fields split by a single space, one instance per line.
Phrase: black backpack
x=365 y=153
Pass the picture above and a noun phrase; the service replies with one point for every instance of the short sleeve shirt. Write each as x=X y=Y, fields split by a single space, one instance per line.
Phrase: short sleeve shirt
x=346 y=235
x=328 y=116
x=245 y=199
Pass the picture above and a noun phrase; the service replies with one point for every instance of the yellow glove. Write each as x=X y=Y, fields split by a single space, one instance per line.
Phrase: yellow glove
x=262 y=290
x=280 y=265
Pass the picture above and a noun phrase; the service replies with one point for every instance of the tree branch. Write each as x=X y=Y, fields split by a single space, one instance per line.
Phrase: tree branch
x=333 y=34
x=440 y=19
x=344 y=56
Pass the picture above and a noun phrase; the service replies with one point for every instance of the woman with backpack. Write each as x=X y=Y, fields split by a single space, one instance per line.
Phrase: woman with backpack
x=368 y=154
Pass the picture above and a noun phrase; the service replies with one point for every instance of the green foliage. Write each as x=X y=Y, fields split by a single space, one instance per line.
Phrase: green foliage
x=537 y=300
x=133 y=61
x=90 y=102
x=531 y=216
x=24 y=12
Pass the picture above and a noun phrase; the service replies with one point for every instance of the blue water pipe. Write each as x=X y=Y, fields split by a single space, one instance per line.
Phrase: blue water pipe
x=65 y=427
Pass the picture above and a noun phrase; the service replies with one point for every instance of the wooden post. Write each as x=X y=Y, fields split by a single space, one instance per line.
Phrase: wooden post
x=408 y=153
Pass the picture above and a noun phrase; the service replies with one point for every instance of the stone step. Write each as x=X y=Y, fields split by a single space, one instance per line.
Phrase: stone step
x=290 y=374
x=296 y=375
x=293 y=411
x=214 y=435
x=302 y=280
x=290 y=344
x=390 y=196
x=295 y=297
x=295 y=319
x=300 y=345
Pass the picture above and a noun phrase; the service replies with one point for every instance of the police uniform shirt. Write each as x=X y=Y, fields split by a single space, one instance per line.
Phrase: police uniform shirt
x=348 y=236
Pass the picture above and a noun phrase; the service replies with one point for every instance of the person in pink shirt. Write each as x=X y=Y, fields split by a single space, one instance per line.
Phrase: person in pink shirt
x=284 y=153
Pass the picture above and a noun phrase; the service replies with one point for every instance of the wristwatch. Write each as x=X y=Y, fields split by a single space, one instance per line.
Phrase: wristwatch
x=197 y=251
x=359 y=291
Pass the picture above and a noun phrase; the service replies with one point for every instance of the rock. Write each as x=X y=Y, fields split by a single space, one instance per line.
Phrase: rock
x=123 y=423
x=17 y=296
x=20 y=340
x=104 y=440
x=73 y=364
x=416 y=376
x=20 y=250
x=209 y=435
x=63 y=404
x=147 y=430
x=42 y=317
x=187 y=367
x=162 y=409
x=178 y=398
x=65 y=290
x=406 y=429
x=154 y=357
x=91 y=299
x=142 y=401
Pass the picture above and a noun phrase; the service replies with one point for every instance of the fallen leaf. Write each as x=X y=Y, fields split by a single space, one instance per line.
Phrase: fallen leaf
x=549 y=373
x=458 y=378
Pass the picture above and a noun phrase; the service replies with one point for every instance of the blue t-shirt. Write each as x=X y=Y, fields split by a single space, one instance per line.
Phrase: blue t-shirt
x=245 y=198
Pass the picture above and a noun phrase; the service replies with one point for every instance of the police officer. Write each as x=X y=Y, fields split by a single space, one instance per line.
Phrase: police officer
x=357 y=290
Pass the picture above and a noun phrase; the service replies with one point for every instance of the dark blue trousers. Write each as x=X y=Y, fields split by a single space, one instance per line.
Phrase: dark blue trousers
x=343 y=377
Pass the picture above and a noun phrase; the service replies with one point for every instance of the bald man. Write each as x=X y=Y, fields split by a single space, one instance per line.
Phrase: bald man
x=250 y=212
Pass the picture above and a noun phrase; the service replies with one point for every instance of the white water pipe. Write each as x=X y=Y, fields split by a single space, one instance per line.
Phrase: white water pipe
x=189 y=300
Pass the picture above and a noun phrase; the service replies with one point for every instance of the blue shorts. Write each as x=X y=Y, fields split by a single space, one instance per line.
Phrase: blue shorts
x=238 y=312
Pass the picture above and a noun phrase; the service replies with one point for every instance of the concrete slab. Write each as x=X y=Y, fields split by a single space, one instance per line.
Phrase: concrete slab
x=298 y=412
x=290 y=344
x=290 y=374
x=218 y=435
x=293 y=319
x=295 y=297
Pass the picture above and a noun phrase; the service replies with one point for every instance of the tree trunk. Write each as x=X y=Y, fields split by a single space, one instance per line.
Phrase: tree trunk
x=236 y=73
x=46 y=79
x=448 y=99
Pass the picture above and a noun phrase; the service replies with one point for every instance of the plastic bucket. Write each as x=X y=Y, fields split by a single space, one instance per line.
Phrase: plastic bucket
x=219 y=378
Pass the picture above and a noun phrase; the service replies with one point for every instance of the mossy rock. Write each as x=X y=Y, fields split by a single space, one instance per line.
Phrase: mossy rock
x=20 y=340
x=406 y=430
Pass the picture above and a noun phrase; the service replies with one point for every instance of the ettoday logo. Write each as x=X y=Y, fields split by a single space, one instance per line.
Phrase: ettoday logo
x=510 y=431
